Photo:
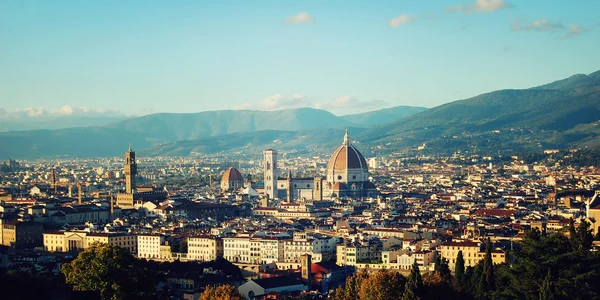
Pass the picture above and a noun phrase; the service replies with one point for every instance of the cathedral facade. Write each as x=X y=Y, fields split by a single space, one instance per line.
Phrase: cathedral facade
x=347 y=176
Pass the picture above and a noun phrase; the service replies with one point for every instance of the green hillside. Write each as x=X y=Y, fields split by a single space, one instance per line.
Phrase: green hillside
x=383 y=116
x=552 y=115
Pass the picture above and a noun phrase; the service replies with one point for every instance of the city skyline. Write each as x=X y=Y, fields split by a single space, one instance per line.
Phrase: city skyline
x=90 y=58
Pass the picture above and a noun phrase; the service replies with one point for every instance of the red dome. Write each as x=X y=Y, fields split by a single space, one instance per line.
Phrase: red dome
x=347 y=157
x=232 y=174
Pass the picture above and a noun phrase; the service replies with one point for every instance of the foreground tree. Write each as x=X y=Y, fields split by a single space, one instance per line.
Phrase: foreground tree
x=414 y=284
x=351 y=290
x=459 y=270
x=113 y=272
x=223 y=292
x=382 y=285
x=552 y=266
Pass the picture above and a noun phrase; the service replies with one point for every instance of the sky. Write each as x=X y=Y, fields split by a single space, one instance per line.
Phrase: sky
x=63 y=58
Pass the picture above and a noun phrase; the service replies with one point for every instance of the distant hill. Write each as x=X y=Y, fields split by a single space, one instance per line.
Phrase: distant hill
x=383 y=116
x=178 y=127
x=300 y=142
x=560 y=114
x=38 y=123
x=147 y=131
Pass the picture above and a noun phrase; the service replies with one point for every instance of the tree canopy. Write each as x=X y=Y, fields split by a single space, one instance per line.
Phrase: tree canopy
x=222 y=292
x=112 y=271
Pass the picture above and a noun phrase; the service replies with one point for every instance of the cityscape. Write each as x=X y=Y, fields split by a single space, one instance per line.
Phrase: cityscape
x=151 y=194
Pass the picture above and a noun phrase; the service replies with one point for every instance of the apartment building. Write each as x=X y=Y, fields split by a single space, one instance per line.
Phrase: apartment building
x=149 y=245
x=77 y=241
x=204 y=248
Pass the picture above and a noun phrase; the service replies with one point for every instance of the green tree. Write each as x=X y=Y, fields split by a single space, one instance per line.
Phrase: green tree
x=546 y=292
x=112 y=271
x=459 y=270
x=487 y=280
x=351 y=290
x=223 y=292
x=381 y=285
x=444 y=269
x=414 y=283
x=409 y=294
x=585 y=238
x=183 y=246
x=574 y=273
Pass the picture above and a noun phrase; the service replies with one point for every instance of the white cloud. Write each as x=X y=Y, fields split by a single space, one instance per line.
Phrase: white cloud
x=574 y=30
x=65 y=111
x=542 y=25
x=278 y=101
x=401 y=20
x=349 y=102
x=481 y=6
x=299 y=18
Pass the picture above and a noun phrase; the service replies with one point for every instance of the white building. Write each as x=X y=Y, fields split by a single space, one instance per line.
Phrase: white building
x=237 y=249
x=204 y=248
x=149 y=245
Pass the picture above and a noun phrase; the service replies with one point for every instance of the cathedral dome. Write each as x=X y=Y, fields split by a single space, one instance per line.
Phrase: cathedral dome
x=232 y=174
x=347 y=157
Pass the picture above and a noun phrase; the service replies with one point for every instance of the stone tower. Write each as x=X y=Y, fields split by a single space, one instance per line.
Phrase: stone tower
x=270 y=170
x=305 y=265
x=290 y=191
x=318 y=188
x=130 y=170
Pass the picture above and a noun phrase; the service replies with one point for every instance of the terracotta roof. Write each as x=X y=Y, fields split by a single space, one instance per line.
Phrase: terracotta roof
x=232 y=174
x=494 y=212
x=347 y=157
x=461 y=244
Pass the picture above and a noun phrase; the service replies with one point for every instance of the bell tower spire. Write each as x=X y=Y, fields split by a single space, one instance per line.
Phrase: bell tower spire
x=130 y=170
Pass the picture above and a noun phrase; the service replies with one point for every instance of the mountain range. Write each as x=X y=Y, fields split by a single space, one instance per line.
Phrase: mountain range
x=561 y=114
x=159 y=129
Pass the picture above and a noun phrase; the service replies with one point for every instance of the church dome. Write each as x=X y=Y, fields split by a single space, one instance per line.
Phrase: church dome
x=232 y=174
x=347 y=157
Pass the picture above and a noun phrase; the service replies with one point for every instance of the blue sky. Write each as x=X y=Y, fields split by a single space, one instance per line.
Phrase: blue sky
x=139 y=57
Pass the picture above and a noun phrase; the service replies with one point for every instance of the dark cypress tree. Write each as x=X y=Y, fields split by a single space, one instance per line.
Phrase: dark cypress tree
x=445 y=270
x=585 y=238
x=414 y=282
x=438 y=263
x=487 y=280
x=459 y=269
x=573 y=234
x=488 y=267
x=409 y=294
x=546 y=291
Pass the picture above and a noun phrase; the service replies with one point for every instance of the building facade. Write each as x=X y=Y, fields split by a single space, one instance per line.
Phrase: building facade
x=205 y=248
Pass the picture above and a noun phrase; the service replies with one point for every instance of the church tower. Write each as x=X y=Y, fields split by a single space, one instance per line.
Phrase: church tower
x=290 y=191
x=305 y=266
x=130 y=169
x=270 y=173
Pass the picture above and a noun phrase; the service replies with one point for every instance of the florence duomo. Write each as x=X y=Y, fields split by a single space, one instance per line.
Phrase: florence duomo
x=347 y=177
